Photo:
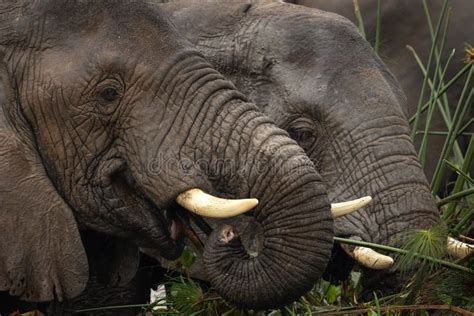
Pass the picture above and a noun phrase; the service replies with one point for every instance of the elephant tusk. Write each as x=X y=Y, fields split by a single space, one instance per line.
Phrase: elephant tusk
x=458 y=248
x=370 y=258
x=201 y=203
x=344 y=208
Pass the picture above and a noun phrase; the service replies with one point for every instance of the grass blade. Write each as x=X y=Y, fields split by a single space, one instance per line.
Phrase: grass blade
x=461 y=110
x=430 y=59
x=442 y=133
x=450 y=83
x=442 y=108
x=456 y=196
x=378 y=29
x=460 y=172
x=360 y=21
x=434 y=92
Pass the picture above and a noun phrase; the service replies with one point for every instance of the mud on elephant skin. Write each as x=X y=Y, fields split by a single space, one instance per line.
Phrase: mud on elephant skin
x=103 y=101
x=320 y=80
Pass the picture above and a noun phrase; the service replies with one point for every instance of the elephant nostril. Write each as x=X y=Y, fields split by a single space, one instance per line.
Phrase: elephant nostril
x=227 y=234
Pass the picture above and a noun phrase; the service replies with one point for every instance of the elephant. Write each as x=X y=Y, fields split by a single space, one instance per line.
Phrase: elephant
x=404 y=23
x=317 y=78
x=108 y=118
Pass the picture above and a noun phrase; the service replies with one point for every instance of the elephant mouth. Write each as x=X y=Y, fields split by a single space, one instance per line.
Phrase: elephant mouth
x=130 y=211
x=162 y=229
x=175 y=225
x=165 y=229
x=176 y=221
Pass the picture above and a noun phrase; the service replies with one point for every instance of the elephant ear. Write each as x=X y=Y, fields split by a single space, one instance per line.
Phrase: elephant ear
x=41 y=254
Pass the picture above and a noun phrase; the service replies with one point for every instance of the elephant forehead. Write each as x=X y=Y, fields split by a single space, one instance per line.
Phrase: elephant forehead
x=303 y=84
x=86 y=60
x=109 y=41
x=61 y=64
x=360 y=87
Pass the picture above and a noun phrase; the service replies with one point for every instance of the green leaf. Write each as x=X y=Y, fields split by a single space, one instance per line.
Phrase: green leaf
x=355 y=278
x=188 y=257
x=372 y=313
x=185 y=295
x=332 y=294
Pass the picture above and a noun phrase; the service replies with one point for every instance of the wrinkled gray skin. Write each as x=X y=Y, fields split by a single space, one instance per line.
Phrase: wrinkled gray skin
x=403 y=22
x=102 y=126
x=318 y=79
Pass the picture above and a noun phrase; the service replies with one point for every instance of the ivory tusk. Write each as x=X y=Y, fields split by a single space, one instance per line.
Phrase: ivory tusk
x=370 y=258
x=344 y=208
x=458 y=248
x=201 y=203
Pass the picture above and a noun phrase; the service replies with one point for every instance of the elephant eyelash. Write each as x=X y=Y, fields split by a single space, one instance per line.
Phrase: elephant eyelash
x=109 y=93
x=301 y=136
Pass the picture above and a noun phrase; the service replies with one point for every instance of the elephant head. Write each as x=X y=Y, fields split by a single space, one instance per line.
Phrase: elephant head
x=320 y=80
x=107 y=117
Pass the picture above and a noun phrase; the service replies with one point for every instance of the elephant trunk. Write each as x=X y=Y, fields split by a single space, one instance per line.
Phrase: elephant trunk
x=222 y=145
x=295 y=222
x=392 y=176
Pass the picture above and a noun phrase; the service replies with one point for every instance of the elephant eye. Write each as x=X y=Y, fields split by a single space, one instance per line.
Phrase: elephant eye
x=302 y=130
x=301 y=136
x=109 y=94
